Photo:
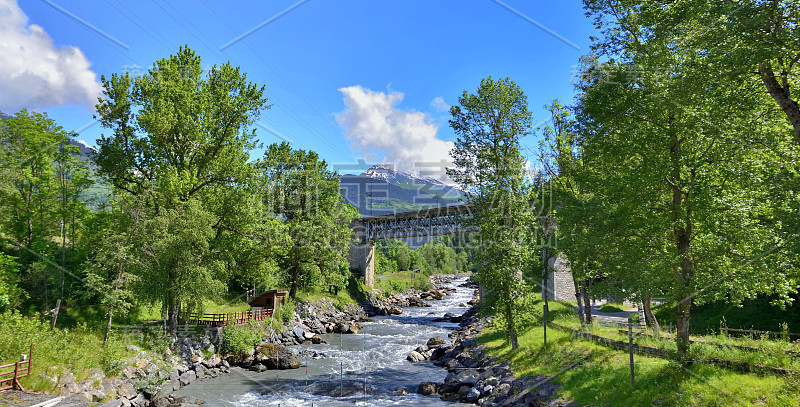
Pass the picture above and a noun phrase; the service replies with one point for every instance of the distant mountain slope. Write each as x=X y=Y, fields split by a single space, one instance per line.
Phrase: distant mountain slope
x=381 y=190
x=84 y=151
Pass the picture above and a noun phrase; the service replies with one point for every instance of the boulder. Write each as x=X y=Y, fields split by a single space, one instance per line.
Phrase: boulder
x=139 y=401
x=415 y=356
x=113 y=403
x=428 y=388
x=68 y=378
x=188 y=377
x=275 y=356
x=126 y=390
x=316 y=340
x=132 y=348
x=96 y=374
x=502 y=389
x=468 y=377
x=213 y=361
x=297 y=332
x=473 y=395
x=435 y=341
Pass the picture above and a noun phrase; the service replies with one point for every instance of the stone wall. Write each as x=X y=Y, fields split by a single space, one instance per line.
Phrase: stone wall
x=559 y=280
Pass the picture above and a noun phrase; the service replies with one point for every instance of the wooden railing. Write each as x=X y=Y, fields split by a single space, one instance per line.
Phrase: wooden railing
x=10 y=379
x=231 y=318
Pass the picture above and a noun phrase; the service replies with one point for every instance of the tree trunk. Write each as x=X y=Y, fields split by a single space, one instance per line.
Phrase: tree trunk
x=682 y=231
x=684 y=314
x=293 y=287
x=63 y=254
x=108 y=325
x=649 y=317
x=173 y=317
x=512 y=329
x=579 y=298
x=587 y=304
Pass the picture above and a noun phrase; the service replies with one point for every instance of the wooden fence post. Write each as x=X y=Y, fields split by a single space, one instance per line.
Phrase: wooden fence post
x=630 y=346
x=55 y=313
x=544 y=308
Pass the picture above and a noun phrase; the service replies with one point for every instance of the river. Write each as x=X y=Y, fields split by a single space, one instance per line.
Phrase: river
x=365 y=369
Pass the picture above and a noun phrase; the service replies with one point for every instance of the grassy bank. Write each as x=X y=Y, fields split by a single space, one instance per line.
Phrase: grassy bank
x=756 y=314
x=59 y=351
x=399 y=281
x=592 y=374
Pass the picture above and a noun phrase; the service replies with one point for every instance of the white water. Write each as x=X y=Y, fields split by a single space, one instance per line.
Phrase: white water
x=378 y=352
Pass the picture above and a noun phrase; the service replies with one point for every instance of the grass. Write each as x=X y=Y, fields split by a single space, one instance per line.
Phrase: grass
x=592 y=374
x=59 y=351
x=612 y=307
x=399 y=281
x=756 y=314
x=771 y=353
x=340 y=300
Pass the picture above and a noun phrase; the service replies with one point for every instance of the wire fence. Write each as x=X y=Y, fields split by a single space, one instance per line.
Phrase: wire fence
x=666 y=352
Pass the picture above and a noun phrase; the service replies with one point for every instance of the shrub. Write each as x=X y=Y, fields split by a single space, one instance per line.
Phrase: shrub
x=286 y=312
x=239 y=340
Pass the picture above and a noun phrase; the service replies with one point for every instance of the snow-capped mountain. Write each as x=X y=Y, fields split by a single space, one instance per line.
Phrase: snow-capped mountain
x=382 y=190
x=85 y=150
x=387 y=173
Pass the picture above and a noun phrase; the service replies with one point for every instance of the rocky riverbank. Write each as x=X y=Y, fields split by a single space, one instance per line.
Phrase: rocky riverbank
x=477 y=377
x=148 y=379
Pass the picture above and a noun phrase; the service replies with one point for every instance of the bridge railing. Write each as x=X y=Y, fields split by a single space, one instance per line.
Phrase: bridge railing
x=230 y=318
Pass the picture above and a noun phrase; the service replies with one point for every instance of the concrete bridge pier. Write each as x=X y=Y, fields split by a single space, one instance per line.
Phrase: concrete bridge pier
x=362 y=255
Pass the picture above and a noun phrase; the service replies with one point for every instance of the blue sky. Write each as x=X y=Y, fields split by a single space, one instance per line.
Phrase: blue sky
x=349 y=79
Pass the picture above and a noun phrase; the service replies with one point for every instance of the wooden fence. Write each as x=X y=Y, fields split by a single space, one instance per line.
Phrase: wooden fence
x=231 y=318
x=752 y=332
x=10 y=379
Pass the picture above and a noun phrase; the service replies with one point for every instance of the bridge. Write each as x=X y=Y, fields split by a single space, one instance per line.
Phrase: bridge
x=444 y=220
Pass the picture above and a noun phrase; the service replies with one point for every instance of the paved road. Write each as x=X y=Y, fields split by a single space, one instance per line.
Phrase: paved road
x=614 y=317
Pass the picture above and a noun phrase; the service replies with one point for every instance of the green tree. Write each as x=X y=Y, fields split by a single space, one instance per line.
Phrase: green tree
x=403 y=257
x=753 y=42
x=11 y=295
x=109 y=273
x=29 y=142
x=72 y=179
x=176 y=263
x=179 y=143
x=489 y=125
x=301 y=189
x=579 y=218
x=663 y=155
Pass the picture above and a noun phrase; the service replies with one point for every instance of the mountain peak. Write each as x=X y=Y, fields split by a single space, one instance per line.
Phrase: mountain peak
x=389 y=174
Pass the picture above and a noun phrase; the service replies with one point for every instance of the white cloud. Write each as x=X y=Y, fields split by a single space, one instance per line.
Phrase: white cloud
x=408 y=139
x=36 y=74
x=439 y=105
